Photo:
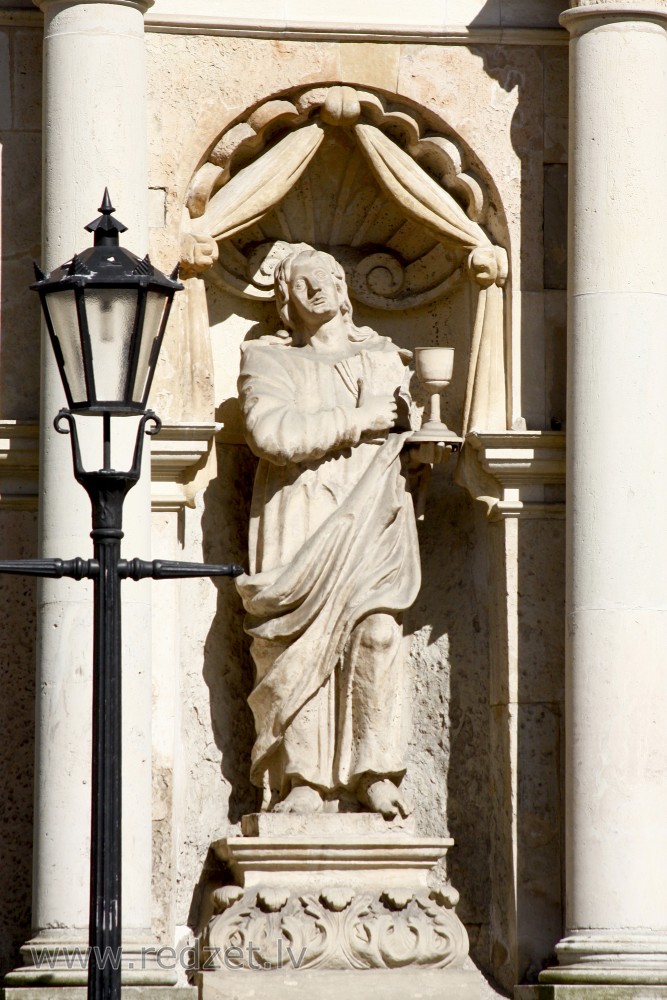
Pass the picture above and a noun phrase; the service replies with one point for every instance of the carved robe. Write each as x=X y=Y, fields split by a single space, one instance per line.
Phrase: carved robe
x=332 y=540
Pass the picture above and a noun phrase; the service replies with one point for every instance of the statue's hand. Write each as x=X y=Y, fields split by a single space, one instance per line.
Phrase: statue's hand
x=379 y=412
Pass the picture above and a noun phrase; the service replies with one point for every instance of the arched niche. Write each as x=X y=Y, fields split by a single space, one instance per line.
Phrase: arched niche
x=395 y=202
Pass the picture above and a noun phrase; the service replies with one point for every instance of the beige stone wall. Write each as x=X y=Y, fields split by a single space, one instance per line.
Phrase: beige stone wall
x=508 y=105
x=20 y=191
x=18 y=530
x=20 y=194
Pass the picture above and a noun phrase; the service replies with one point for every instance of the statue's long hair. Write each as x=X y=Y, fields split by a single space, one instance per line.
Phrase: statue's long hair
x=282 y=275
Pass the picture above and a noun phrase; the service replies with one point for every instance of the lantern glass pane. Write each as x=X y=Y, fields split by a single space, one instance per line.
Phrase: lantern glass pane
x=111 y=314
x=155 y=303
x=62 y=310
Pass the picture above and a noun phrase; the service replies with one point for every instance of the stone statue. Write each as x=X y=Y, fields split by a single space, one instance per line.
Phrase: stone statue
x=334 y=556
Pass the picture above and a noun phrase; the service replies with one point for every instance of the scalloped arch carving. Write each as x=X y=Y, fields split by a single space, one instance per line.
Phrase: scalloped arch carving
x=391 y=261
x=438 y=154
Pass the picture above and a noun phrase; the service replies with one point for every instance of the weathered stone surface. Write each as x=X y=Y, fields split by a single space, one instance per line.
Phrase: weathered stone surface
x=541 y=564
x=332 y=984
x=606 y=991
x=17 y=652
x=298 y=862
x=555 y=103
x=5 y=81
x=27 y=80
x=371 y=64
x=555 y=321
x=555 y=226
x=21 y=183
x=361 y=824
x=539 y=819
x=533 y=394
x=527 y=13
x=497 y=110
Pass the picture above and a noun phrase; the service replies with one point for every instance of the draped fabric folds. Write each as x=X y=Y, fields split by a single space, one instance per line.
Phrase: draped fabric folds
x=426 y=202
x=257 y=188
x=244 y=200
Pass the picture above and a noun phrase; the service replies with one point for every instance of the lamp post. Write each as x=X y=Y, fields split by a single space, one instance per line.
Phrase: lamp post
x=106 y=311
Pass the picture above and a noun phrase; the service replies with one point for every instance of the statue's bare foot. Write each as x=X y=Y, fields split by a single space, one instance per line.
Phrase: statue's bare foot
x=301 y=799
x=383 y=796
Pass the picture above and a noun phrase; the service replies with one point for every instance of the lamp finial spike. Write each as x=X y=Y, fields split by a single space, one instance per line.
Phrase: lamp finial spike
x=105 y=227
x=106 y=208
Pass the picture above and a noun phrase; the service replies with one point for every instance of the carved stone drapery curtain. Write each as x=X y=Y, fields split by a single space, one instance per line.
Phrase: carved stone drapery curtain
x=246 y=198
x=426 y=202
x=257 y=188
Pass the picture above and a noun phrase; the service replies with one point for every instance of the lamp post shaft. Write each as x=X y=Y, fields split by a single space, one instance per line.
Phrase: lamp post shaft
x=104 y=976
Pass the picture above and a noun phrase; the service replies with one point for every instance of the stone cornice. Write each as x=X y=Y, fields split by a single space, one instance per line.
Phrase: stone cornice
x=330 y=32
x=176 y=453
x=189 y=24
x=517 y=473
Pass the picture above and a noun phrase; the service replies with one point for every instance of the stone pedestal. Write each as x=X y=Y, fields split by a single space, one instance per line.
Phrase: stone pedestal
x=332 y=904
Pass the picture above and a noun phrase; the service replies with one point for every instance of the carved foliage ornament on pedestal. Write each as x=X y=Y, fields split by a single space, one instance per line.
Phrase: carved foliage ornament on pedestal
x=336 y=928
x=337 y=169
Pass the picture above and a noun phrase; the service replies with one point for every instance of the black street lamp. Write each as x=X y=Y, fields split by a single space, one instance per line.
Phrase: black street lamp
x=106 y=312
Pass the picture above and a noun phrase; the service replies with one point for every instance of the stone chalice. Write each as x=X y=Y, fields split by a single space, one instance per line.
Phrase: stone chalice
x=434 y=366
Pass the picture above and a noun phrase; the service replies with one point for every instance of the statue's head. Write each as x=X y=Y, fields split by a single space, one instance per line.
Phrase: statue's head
x=310 y=289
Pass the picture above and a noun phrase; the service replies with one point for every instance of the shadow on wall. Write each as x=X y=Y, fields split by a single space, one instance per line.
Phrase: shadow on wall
x=18 y=529
x=528 y=918
x=455 y=697
x=20 y=136
x=227 y=664
x=539 y=75
x=20 y=192
x=540 y=800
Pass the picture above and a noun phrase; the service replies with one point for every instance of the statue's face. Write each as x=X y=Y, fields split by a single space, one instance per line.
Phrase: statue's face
x=314 y=295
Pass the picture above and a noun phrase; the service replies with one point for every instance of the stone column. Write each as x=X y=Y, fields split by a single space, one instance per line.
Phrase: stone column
x=616 y=685
x=95 y=135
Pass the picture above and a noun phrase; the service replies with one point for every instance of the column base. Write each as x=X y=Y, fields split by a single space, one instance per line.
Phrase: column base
x=59 y=958
x=590 y=991
x=620 y=958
